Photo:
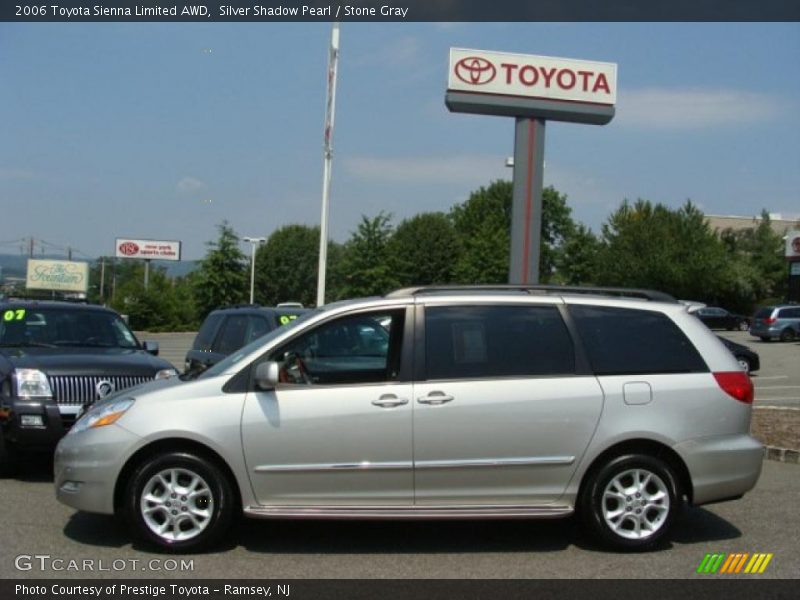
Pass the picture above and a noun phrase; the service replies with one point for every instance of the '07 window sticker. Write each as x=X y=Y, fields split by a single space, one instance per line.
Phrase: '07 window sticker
x=14 y=314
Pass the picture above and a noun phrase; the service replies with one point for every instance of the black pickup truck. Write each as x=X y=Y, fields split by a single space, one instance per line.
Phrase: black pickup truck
x=55 y=359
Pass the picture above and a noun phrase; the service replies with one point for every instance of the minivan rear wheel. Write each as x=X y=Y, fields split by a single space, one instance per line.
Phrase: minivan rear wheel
x=629 y=503
x=179 y=501
x=787 y=335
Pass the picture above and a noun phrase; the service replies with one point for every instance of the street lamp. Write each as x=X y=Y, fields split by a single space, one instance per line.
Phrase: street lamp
x=254 y=241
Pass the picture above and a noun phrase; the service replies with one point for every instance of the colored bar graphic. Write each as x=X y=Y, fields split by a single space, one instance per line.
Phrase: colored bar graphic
x=728 y=564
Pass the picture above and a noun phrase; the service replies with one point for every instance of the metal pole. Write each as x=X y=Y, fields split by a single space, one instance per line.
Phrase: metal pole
x=526 y=208
x=252 y=270
x=146 y=273
x=102 y=277
x=333 y=60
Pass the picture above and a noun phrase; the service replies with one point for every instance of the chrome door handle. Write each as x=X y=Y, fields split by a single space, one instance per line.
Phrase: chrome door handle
x=389 y=401
x=435 y=398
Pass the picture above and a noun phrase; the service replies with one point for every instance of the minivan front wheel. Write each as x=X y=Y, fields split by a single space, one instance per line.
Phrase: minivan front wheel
x=179 y=501
x=630 y=502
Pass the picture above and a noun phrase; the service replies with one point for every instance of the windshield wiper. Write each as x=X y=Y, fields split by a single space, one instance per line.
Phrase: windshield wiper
x=87 y=344
x=26 y=345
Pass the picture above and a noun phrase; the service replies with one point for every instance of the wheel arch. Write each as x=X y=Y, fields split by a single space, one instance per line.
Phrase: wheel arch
x=647 y=447
x=173 y=445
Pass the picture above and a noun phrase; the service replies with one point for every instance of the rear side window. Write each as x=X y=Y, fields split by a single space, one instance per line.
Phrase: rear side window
x=233 y=334
x=789 y=313
x=468 y=342
x=622 y=341
x=206 y=334
x=764 y=313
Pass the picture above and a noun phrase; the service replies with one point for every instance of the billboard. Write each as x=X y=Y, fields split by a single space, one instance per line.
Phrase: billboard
x=530 y=76
x=57 y=275
x=148 y=249
x=793 y=244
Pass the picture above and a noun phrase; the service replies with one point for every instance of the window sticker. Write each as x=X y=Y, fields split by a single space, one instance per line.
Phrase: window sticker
x=14 y=314
x=286 y=319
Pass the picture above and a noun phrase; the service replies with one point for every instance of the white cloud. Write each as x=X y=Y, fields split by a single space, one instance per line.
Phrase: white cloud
x=187 y=185
x=469 y=170
x=697 y=108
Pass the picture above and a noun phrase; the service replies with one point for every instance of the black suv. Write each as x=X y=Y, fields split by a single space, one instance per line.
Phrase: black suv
x=58 y=357
x=229 y=328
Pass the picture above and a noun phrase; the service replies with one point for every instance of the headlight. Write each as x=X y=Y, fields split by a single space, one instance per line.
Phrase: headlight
x=103 y=414
x=32 y=383
x=164 y=373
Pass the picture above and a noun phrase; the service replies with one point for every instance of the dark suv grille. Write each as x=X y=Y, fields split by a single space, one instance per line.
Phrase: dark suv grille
x=75 y=390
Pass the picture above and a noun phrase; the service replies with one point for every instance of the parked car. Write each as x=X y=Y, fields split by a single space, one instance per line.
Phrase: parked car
x=718 y=318
x=777 y=322
x=498 y=402
x=747 y=359
x=55 y=359
x=228 y=329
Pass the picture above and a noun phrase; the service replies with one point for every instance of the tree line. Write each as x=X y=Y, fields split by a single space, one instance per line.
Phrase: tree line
x=641 y=244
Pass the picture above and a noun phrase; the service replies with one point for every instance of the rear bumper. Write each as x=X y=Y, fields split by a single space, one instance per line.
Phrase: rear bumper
x=722 y=467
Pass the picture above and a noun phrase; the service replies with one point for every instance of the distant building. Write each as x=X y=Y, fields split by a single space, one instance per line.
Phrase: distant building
x=780 y=223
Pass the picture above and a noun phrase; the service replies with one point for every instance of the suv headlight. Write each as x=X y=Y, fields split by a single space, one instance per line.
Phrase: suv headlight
x=32 y=383
x=102 y=414
x=164 y=373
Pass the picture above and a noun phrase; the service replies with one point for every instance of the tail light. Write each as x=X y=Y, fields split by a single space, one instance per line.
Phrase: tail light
x=736 y=384
x=769 y=321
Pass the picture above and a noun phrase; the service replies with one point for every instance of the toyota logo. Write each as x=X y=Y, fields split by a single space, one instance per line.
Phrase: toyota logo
x=128 y=248
x=104 y=388
x=475 y=70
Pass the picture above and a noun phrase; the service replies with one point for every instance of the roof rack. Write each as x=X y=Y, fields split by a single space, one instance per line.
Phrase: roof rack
x=642 y=294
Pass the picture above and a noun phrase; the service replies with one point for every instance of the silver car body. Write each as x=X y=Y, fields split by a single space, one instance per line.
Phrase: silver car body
x=510 y=447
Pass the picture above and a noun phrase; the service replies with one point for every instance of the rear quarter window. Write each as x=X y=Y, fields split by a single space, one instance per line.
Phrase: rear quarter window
x=205 y=336
x=621 y=341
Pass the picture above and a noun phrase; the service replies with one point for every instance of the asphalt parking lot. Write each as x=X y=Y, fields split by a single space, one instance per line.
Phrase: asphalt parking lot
x=764 y=521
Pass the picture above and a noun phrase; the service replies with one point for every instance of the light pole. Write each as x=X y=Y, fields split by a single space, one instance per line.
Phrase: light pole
x=254 y=241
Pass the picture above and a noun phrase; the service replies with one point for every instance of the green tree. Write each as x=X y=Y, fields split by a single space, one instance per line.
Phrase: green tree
x=424 y=250
x=365 y=265
x=577 y=263
x=650 y=245
x=286 y=266
x=483 y=225
x=223 y=276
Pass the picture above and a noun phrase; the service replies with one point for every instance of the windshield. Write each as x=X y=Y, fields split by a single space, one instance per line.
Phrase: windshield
x=225 y=364
x=57 y=327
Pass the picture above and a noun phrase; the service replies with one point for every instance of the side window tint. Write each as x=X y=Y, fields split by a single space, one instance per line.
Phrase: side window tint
x=232 y=335
x=625 y=341
x=362 y=348
x=258 y=327
x=469 y=342
x=206 y=334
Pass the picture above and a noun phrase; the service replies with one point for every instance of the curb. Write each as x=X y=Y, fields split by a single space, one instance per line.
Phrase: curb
x=782 y=454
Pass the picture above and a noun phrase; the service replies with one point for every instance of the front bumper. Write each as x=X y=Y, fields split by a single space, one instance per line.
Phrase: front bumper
x=87 y=465
x=722 y=467
x=42 y=436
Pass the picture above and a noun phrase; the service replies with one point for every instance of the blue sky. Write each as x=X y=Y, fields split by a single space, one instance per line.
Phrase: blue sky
x=163 y=130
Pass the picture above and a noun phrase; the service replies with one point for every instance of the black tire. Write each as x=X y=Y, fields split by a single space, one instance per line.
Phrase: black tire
x=788 y=335
x=745 y=363
x=766 y=339
x=216 y=499
x=659 y=513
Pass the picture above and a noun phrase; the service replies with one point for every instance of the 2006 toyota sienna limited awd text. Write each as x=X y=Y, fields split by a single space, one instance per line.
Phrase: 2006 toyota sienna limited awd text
x=501 y=402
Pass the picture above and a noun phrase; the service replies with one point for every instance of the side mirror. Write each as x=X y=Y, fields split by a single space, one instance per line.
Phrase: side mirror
x=267 y=375
x=151 y=348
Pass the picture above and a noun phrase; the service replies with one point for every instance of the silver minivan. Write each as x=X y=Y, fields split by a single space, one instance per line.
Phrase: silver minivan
x=429 y=403
x=777 y=322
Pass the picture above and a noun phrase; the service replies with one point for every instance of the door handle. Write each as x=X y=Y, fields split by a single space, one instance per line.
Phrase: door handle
x=435 y=399
x=389 y=401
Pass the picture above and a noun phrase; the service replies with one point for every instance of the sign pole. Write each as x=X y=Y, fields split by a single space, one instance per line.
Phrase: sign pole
x=146 y=273
x=330 y=109
x=527 y=203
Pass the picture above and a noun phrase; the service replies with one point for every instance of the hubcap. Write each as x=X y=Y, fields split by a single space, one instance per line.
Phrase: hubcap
x=635 y=504
x=745 y=366
x=177 y=504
